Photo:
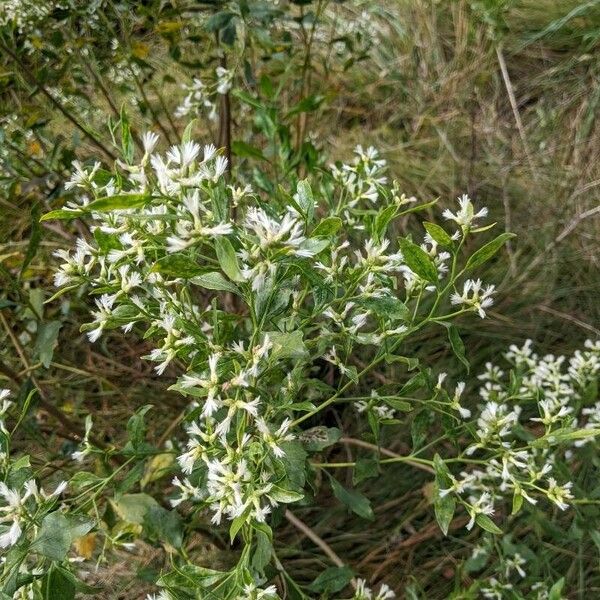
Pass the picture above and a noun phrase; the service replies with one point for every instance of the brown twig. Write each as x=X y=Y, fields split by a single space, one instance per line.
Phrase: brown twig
x=26 y=74
x=44 y=400
x=313 y=537
x=385 y=452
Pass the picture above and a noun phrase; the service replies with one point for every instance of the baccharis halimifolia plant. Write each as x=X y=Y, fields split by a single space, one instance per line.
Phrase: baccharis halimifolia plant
x=248 y=298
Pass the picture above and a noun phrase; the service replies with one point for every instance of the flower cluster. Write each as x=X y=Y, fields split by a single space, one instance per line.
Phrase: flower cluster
x=548 y=398
x=199 y=98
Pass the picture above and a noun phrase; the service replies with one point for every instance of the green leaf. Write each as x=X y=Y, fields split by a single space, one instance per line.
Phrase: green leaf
x=132 y=508
x=164 y=526
x=332 y=580
x=284 y=496
x=365 y=468
x=388 y=307
x=57 y=532
x=228 y=259
x=560 y=436
x=190 y=578
x=486 y=523
x=126 y=139
x=57 y=586
x=244 y=150
x=305 y=199
x=219 y=20
x=398 y=404
x=438 y=234
x=517 y=502
x=247 y=98
x=47 y=335
x=177 y=265
x=418 y=260
x=327 y=227
x=136 y=427
x=457 y=345
x=54 y=538
x=383 y=219
x=35 y=237
x=556 y=591
x=61 y=214
x=486 y=252
x=263 y=551
x=308 y=104
x=444 y=507
x=353 y=499
x=118 y=202
x=287 y=345
x=237 y=524
x=215 y=281
x=187 y=132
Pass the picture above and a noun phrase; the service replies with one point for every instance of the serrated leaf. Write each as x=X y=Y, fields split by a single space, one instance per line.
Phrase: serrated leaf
x=486 y=252
x=418 y=260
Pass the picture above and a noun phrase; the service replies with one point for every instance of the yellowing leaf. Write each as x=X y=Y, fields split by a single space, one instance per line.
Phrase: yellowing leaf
x=85 y=545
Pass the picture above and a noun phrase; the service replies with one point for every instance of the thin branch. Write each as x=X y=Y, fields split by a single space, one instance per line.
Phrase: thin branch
x=43 y=397
x=313 y=537
x=26 y=74
x=567 y=317
x=385 y=452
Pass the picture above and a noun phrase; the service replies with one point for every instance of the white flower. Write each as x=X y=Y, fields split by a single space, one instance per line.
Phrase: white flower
x=483 y=505
x=465 y=216
x=149 y=141
x=224 y=78
x=474 y=297
x=559 y=494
